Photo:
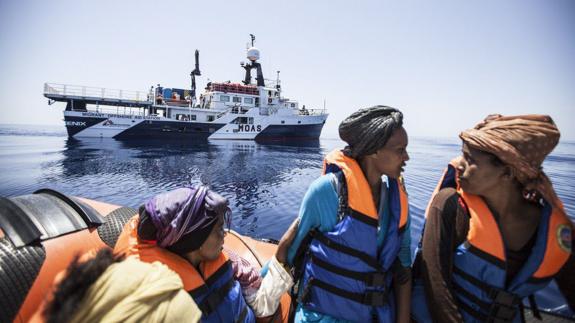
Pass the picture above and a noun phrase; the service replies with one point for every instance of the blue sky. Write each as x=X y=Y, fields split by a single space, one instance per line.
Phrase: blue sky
x=446 y=64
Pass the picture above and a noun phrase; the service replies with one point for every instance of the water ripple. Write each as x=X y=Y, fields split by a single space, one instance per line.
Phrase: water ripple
x=264 y=183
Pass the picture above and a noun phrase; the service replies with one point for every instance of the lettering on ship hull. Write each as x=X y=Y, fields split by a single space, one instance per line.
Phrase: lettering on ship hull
x=75 y=124
x=249 y=128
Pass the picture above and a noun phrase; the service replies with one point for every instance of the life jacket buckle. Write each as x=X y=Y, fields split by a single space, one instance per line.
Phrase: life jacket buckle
x=375 y=298
x=376 y=279
x=503 y=308
x=504 y=298
x=501 y=313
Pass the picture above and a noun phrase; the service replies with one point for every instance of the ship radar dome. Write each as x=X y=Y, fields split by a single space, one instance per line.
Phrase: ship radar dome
x=253 y=54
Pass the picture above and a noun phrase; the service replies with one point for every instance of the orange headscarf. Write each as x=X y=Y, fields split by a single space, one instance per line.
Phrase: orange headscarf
x=521 y=142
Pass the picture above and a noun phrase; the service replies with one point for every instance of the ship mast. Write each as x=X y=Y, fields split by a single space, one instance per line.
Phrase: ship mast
x=253 y=55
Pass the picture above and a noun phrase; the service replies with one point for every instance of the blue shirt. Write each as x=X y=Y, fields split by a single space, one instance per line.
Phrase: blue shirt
x=319 y=211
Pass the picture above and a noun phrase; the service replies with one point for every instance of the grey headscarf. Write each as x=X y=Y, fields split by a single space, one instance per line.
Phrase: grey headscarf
x=367 y=130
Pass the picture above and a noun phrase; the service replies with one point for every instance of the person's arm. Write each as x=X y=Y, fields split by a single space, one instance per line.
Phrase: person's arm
x=263 y=295
x=438 y=245
x=286 y=241
x=402 y=276
x=318 y=211
x=566 y=280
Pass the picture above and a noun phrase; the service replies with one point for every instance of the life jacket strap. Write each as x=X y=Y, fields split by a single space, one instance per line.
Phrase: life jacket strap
x=534 y=307
x=214 y=299
x=369 y=260
x=369 y=297
x=363 y=218
x=498 y=295
x=503 y=306
x=375 y=279
x=496 y=311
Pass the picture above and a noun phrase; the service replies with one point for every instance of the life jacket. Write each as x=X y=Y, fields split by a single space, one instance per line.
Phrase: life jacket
x=345 y=274
x=216 y=292
x=479 y=263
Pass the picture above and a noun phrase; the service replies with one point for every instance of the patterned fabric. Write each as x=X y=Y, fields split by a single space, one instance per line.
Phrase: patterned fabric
x=248 y=276
x=367 y=130
x=521 y=142
x=183 y=211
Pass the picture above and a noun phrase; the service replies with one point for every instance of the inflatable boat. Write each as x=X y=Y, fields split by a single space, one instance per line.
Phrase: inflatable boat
x=40 y=234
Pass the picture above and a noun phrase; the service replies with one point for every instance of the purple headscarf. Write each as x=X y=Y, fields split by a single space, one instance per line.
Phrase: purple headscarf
x=183 y=211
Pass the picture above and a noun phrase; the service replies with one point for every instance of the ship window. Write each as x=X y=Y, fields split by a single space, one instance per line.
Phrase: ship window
x=237 y=99
x=211 y=118
x=283 y=122
x=185 y=117
x=225 y=98
x=293 y=105
x=243 y=120
x=248 y=100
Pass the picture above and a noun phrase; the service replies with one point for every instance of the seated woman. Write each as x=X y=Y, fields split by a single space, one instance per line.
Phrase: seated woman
x=495 y=230
x=107 y=288
x=351 y=247
x=184 y=229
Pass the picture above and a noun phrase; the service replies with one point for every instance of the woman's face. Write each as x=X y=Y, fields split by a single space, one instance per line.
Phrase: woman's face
x=211 y=248
x=477 y=173
x=392 y=157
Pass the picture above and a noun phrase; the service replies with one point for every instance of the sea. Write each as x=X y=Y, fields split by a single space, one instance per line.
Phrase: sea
x=265 y=183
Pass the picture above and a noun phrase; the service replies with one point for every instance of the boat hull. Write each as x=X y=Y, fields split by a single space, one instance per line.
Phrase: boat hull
x=122 y=127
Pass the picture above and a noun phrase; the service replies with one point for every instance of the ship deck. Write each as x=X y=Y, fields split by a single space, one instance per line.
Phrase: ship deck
x=96 y=95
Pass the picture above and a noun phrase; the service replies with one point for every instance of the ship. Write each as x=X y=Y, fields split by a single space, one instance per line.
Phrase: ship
x=246 y=110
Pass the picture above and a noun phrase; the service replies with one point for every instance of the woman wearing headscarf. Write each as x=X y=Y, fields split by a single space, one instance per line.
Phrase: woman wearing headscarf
x=106 y=288
x=351 y=246
x=184 y=229
x=495 y=230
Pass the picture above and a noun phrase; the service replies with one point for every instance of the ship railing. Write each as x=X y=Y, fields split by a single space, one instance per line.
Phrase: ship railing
x=272 y=83
x=233 y=110
x=312 y=112
x=117 y=110
x=84 y=92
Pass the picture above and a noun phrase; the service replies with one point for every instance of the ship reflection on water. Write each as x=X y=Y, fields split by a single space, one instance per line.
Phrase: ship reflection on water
x=264 y=182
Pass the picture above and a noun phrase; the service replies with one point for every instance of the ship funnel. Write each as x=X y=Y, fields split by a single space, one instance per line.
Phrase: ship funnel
x=196 y=71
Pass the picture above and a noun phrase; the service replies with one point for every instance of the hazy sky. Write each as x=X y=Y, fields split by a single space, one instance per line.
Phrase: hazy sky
x=445 y=64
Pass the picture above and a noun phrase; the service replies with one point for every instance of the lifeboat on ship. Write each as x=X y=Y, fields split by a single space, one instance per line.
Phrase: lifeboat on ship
x=41 y=233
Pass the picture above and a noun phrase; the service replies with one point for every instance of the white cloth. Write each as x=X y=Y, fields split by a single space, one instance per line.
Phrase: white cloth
x=276 y=282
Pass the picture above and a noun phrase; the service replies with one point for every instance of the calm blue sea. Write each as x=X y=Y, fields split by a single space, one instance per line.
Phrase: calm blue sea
x=264 y=183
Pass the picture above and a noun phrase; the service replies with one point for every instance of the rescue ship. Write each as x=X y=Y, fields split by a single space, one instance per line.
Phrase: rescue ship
x=225 y=110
